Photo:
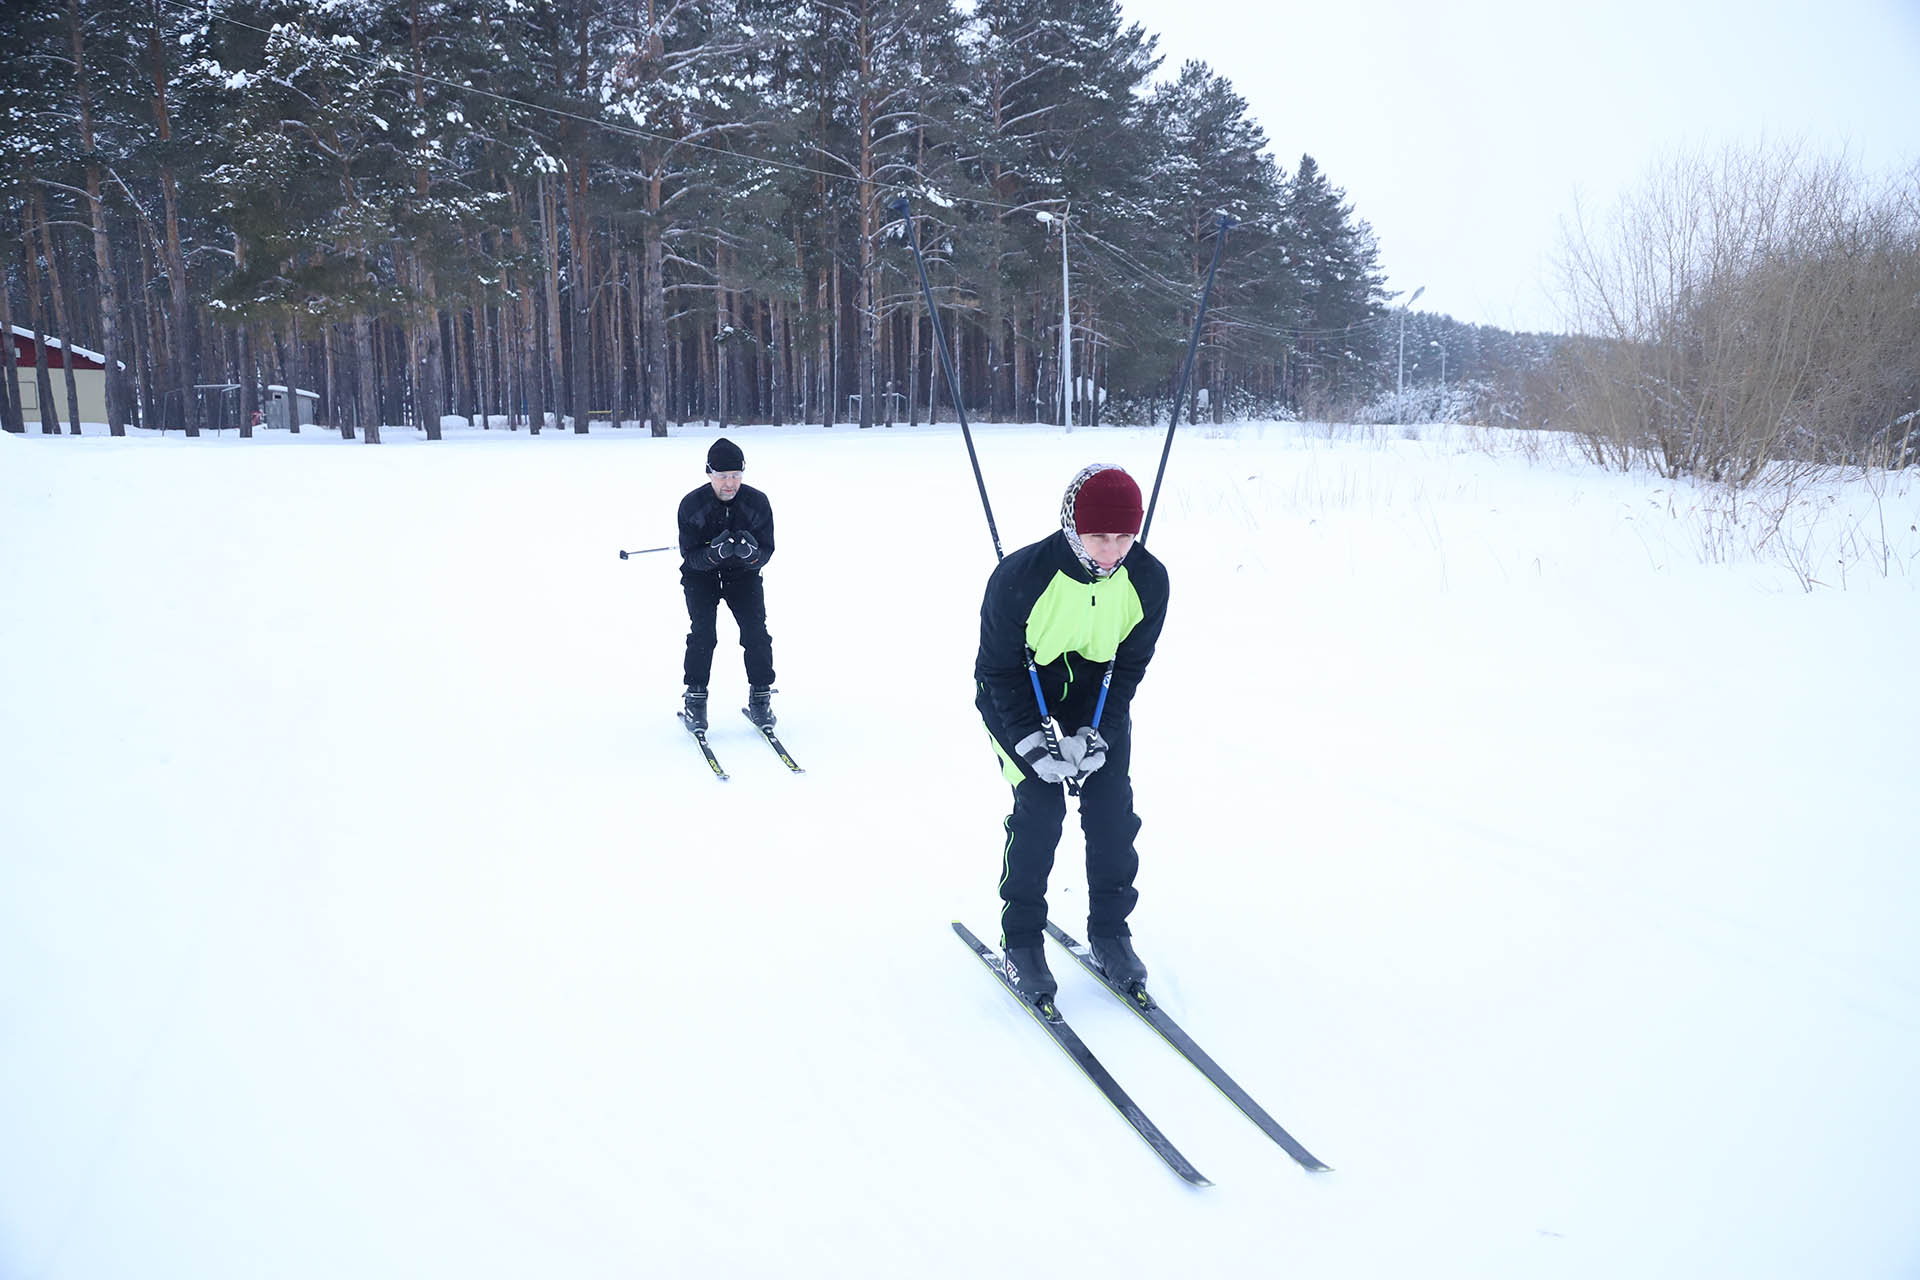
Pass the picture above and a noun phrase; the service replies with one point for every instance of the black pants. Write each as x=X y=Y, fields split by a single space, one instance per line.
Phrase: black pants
x=747 y=598
x=1108 y=821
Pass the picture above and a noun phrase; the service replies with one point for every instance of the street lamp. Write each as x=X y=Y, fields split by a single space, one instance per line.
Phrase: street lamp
x=1400 y=383
x=1066 y=328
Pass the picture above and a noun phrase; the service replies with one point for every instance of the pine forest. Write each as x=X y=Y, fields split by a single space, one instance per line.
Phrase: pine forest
x=563 y=213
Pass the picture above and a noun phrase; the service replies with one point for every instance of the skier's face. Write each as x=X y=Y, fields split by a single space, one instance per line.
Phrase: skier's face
x=1107 y=549
x=725 y=484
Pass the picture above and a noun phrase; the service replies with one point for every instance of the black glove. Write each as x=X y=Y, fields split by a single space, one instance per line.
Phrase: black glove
x=715 y=553
x=745 y=545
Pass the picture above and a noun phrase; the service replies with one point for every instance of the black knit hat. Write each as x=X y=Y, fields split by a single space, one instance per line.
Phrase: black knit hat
x=726 y=456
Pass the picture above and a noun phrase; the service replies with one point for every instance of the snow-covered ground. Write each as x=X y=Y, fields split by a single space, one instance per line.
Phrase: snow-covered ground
x=1539 y=853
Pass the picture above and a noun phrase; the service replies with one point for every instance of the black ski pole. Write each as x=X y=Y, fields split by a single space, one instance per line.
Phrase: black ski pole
x=647 y=552
x=1186 y=369
x=1179 y=395
x=946 y=363
x=1048 y=728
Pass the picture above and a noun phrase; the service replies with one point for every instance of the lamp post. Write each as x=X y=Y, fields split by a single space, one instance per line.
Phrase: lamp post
x=1066 y=328
x=1400 y=382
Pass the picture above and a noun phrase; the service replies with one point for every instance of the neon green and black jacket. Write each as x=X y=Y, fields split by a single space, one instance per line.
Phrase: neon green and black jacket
x=1042 y=599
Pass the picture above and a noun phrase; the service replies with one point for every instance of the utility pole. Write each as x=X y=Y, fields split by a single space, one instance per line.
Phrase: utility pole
x=1066 y=326
x=1400 y=382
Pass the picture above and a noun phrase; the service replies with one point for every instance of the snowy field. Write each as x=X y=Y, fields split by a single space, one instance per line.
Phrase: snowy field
x=1540 y=852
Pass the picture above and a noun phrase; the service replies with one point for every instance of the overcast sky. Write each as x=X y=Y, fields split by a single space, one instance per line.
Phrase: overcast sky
x=1462 y=129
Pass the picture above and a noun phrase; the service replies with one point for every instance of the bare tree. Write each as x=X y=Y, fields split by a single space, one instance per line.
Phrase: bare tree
x=1758 y=305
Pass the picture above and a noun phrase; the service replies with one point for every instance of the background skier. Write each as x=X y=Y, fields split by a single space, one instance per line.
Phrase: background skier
x=726 y=536
x=1075 y=600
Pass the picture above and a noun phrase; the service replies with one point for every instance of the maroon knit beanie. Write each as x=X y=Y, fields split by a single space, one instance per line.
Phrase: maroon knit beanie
x=1108 y=502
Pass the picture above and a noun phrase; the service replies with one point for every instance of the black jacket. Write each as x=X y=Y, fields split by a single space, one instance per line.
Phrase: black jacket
x=703 y=517
x=1041 y=595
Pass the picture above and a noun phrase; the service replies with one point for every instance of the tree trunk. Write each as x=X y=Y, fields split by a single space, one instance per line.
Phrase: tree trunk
x=549 y=329
x=59 y=295
x=835 y=346
x=110 y=342
x=653 y=291
x=723 y=346
x=424 y=360
x=531 y=387
x=913 y=367
x=637 y=332
x=618 y=308
x=865 y=333
x=182 y=359
x=428 y=360
x=482 y=367
x=367 y=401
x=152 y=341
x=9 y=385
x=824 y=309
x=249 y=385
x=1216 y=383
x=14 y=418
x=343 y=411
x=960 y=368
x=777 y=373
x=579 y=294
x=466 y=395
x=703 y=370
x=42 y=380
x=295 y=371
x=1024 y=381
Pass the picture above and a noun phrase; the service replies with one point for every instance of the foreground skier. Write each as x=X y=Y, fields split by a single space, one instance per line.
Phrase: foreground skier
x=1077 y=600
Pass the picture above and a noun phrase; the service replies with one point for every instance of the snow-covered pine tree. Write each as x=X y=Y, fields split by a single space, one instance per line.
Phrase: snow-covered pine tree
x=1341 y=289
x=1216 y=162
x=1056 y=129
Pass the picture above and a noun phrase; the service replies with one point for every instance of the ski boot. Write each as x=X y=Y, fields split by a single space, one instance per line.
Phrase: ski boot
x=760 y=705
x=1027 y=971
x=695 y=708
x=1116 y=959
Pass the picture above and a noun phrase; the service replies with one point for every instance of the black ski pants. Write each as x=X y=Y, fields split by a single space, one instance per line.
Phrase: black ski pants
x=1109 y=824
x=747 y=598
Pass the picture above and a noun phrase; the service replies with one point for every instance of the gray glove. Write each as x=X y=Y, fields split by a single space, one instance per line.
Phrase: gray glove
x=1045 y=765
x=1087 y=749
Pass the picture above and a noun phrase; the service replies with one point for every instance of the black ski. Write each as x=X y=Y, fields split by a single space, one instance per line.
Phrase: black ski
x=766 y=731
x=1143 y=1004
x=1047 y=1014
x=700 y=736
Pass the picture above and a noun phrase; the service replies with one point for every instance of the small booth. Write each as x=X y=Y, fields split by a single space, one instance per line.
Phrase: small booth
x=290 y=408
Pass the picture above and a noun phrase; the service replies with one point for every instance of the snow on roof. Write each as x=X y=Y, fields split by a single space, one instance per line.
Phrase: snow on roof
x=52 y=341
x=275 y=386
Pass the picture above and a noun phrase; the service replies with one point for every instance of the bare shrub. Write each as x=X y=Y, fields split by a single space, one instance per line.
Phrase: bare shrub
x=1758 y=307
